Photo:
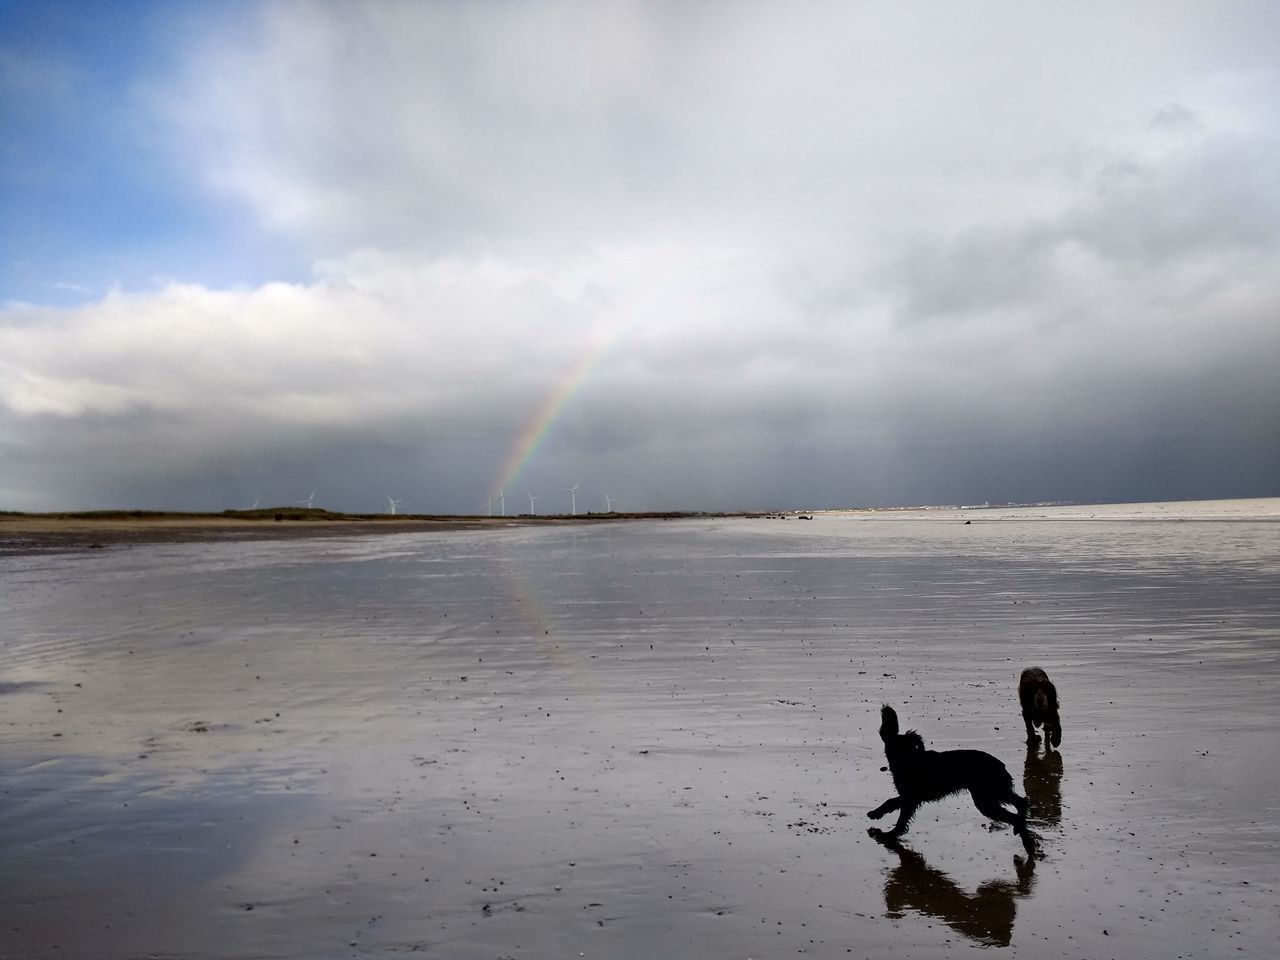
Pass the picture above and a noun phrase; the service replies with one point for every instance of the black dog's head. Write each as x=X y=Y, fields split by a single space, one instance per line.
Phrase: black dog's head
x=888 y=723
x=897 y=745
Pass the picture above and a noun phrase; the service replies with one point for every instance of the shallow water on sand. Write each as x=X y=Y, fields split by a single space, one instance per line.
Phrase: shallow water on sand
x=643 y=739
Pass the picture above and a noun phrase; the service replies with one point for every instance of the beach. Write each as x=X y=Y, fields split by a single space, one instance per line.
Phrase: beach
x=638 y=739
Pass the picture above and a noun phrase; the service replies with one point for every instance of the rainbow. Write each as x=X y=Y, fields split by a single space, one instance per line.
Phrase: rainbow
x=539 y=425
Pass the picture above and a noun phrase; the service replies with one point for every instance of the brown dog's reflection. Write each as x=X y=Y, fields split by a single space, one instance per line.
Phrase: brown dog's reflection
x=1042 y=783
x=984 y=916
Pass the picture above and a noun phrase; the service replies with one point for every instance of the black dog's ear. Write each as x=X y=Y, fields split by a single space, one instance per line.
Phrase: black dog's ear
x=888 y=722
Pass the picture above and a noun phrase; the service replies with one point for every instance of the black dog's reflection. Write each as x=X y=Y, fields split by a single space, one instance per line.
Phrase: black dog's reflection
x=985 y=916
x=1042 y=783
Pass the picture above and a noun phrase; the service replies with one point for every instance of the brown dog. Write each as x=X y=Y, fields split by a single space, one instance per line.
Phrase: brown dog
x=1039 y=699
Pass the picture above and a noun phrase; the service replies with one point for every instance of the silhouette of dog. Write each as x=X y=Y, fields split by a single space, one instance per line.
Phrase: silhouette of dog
x=1039 y=699
x=922 y=776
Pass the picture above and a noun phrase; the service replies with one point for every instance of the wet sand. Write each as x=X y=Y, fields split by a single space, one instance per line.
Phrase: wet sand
x=645 y=739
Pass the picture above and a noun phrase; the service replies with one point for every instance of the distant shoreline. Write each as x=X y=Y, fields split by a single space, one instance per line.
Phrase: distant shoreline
x=22 y=533
x=31 y=532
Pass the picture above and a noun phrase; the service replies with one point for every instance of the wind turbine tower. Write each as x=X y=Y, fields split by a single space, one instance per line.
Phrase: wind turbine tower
x=502 y=499
x=573 y=494
x=532 y=512
x=392 y=505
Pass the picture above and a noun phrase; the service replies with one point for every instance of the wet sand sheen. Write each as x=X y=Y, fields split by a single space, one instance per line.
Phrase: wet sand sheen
x=639 y=740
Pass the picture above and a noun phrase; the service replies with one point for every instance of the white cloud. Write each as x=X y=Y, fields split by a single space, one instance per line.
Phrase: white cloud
x=864 y=253
x=489 y=123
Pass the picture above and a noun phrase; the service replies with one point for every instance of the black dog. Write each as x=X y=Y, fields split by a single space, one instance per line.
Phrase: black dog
x=1039 y=699
x=924 y=775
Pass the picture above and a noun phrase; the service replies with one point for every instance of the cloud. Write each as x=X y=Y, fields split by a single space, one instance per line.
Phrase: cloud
x=1040 y=349
x=437 y=124
x=813 y=258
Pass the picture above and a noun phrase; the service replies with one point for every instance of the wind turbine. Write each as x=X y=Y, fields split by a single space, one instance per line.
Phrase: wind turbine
x=573 y=493
x=392 y=505
x=502 y=499
x=608 y=504
x=307 y=502
x=532 y=498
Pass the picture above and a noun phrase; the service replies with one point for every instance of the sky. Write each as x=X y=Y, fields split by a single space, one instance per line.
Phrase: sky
x=684 y=256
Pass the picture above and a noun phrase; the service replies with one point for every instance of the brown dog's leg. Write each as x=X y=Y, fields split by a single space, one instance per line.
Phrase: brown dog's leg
x=1053 y=732
x=1032 y=736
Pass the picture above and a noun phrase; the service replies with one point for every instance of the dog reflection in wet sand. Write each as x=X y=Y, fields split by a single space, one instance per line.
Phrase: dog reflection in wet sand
x=985 y=916
x=922 y=776
x=1042 y=783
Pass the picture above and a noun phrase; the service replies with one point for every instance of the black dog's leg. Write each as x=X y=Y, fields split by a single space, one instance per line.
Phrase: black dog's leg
x=989 y=806
x=904 y=818
x=1021 y=804
x=905 y=812
x=992 y=807
x=893 y=803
